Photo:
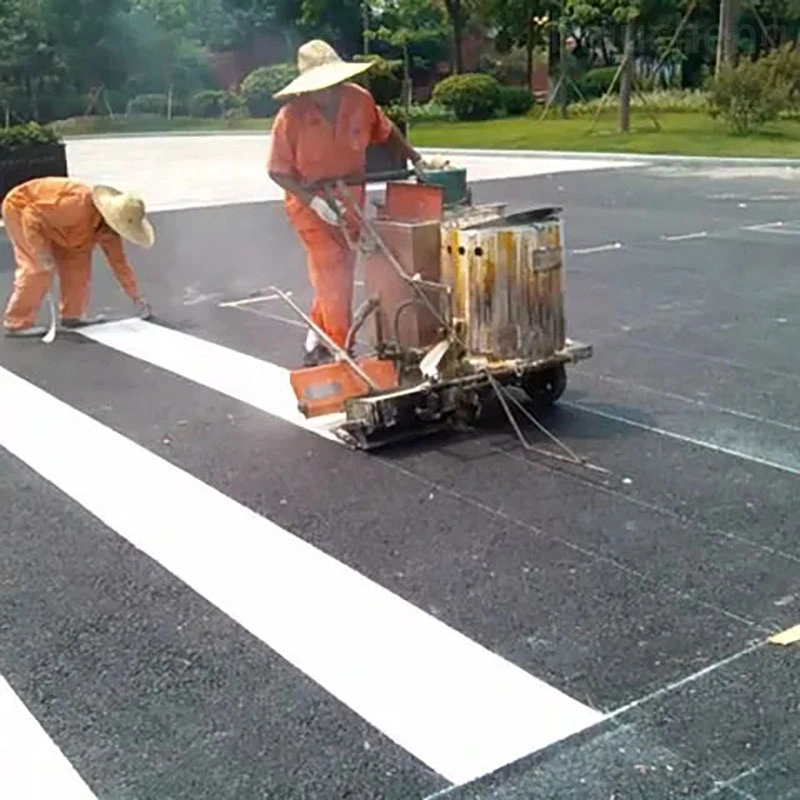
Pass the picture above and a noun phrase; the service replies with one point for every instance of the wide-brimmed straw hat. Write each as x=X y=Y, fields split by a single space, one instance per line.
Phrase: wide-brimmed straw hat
x=320 y=67
x=125 y=214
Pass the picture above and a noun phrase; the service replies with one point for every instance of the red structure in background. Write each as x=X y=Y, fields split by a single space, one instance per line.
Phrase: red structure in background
x=231 y=66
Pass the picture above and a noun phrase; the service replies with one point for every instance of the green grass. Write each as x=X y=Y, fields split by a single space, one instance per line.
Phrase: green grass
x=682 y=133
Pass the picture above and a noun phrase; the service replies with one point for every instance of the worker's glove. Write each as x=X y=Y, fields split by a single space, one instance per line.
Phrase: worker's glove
x=143 y=307
x=419 y=168
x=324 y=211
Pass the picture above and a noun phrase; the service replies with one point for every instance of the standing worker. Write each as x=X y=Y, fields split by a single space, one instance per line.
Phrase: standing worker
x=323 y=134
x=54 y=224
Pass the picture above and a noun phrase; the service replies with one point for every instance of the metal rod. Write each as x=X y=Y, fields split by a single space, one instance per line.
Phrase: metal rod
x=340 y=352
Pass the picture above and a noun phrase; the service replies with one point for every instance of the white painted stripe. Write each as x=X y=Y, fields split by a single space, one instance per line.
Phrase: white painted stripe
x=258 y=383
x=599 y=249
x=682 y=438
x=683 y=236
x=451 y=703
x=31 y=766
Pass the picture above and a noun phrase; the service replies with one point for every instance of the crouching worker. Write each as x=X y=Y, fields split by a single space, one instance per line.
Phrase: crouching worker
x=54 y=224
x=322 y=134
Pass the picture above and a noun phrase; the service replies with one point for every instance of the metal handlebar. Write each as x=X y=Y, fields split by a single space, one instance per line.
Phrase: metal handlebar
x=375 y=177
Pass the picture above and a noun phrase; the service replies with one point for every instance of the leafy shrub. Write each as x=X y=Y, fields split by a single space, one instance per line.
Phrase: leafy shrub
x=784 y=64
x=18 y=137
x=259 y=86
x=383 y=80
x=516 y=100
x=148 y=104
x=212 y=104
x=470 y=97
x=595 y=83
x=417 y=112
x=747 y=96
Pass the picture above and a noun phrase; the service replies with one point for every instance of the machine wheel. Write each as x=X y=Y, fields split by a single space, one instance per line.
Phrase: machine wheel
x=546 y=386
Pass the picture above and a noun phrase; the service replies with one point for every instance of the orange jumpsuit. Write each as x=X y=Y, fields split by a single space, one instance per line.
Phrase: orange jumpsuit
x=57 y=216
x=308 y=148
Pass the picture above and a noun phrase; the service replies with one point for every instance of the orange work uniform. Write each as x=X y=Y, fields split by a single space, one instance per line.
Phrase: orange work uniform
x=308 y=148
x=56 y=216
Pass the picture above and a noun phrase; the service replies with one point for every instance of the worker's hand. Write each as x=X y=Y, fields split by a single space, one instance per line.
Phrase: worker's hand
x=324 y=211
x=143 y=307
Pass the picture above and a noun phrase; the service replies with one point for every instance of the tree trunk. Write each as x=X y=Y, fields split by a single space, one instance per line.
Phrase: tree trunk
x=727 y=50
x=529 y=53
x=563 y=92
x=169 y=102
x=454 y=11
x=407 y=94
x=626 y=81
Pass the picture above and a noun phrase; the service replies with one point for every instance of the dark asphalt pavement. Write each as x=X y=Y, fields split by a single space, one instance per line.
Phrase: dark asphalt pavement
x=648 y=594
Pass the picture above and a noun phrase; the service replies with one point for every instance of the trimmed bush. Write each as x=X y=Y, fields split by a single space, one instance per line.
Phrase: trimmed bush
x=469 y=97
x=748 y=96
x=22 y=137
x=258 y=87
x=383 y=80
x=148 y=104
x=212 y=104
x=516 y=101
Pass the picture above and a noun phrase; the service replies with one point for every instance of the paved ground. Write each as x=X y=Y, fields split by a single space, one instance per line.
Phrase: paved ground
x=173 y=643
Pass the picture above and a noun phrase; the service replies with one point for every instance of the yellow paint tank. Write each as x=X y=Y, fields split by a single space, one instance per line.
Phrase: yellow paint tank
x=506 y=277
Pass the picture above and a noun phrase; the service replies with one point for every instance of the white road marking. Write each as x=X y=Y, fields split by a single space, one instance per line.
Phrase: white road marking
x=792 y=470
x=683 y=236
x=31 y=765
x=251 y=380
x=457 y=707
x=266 y=386
x=600 y=249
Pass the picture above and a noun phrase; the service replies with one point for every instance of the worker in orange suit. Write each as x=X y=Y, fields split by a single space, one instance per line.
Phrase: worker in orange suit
x=53 y=225
x=322 y=133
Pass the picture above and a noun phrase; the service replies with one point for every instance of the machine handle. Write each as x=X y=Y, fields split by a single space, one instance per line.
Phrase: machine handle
x=375 y=177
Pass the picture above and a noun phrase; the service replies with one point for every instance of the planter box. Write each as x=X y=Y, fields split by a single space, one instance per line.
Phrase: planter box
x=379 y=159
x=26 y=163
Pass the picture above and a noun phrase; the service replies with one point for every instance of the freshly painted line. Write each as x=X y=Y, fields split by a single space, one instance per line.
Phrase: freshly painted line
x=682 y=237
x=457 y=707
x=263 y=385
x=682 y=438
x=600 y=249
x=250 y=300
x=31 y=765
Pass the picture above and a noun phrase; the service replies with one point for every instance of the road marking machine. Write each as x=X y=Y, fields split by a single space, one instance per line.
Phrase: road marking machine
x=464 y=302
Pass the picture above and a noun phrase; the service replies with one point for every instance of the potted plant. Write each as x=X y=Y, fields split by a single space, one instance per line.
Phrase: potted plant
x=30 y=151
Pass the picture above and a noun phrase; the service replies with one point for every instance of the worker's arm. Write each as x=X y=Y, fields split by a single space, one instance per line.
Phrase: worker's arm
x=293 y=186
x=399 y=144
x=111 y=244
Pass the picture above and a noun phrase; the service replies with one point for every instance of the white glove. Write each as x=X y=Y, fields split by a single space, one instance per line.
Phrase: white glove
x=324 y=211
x=143 y=307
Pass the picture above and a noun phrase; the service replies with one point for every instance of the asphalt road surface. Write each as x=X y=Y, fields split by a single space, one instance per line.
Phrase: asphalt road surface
x=201 y=596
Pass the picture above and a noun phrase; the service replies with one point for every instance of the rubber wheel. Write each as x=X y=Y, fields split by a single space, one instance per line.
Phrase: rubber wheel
x=546 y=386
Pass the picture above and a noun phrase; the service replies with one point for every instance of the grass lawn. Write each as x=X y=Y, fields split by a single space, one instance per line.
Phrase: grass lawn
x=683 y=133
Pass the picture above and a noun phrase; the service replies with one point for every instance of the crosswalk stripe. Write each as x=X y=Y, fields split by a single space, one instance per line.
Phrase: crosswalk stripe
x=460 y=709
x=258 y=383
x=31 y=766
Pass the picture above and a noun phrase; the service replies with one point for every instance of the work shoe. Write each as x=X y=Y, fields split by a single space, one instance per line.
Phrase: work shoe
x=78 y=322
x=25 y=333
x=319 y=355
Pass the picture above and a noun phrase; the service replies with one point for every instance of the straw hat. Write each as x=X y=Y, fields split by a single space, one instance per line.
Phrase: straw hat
x=320 y=68
x=125 y=214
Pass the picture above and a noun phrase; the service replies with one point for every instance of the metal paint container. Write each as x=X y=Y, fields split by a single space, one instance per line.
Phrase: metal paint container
x=507 y=284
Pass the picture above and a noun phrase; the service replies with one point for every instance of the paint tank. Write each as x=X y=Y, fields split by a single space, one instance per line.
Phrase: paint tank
x=506 y=276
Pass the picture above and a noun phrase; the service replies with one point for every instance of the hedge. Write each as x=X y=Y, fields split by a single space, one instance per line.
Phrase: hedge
x=516 y=100
x=469 y=97
x=213 y=104
x=258 y=87
x=20 y=137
